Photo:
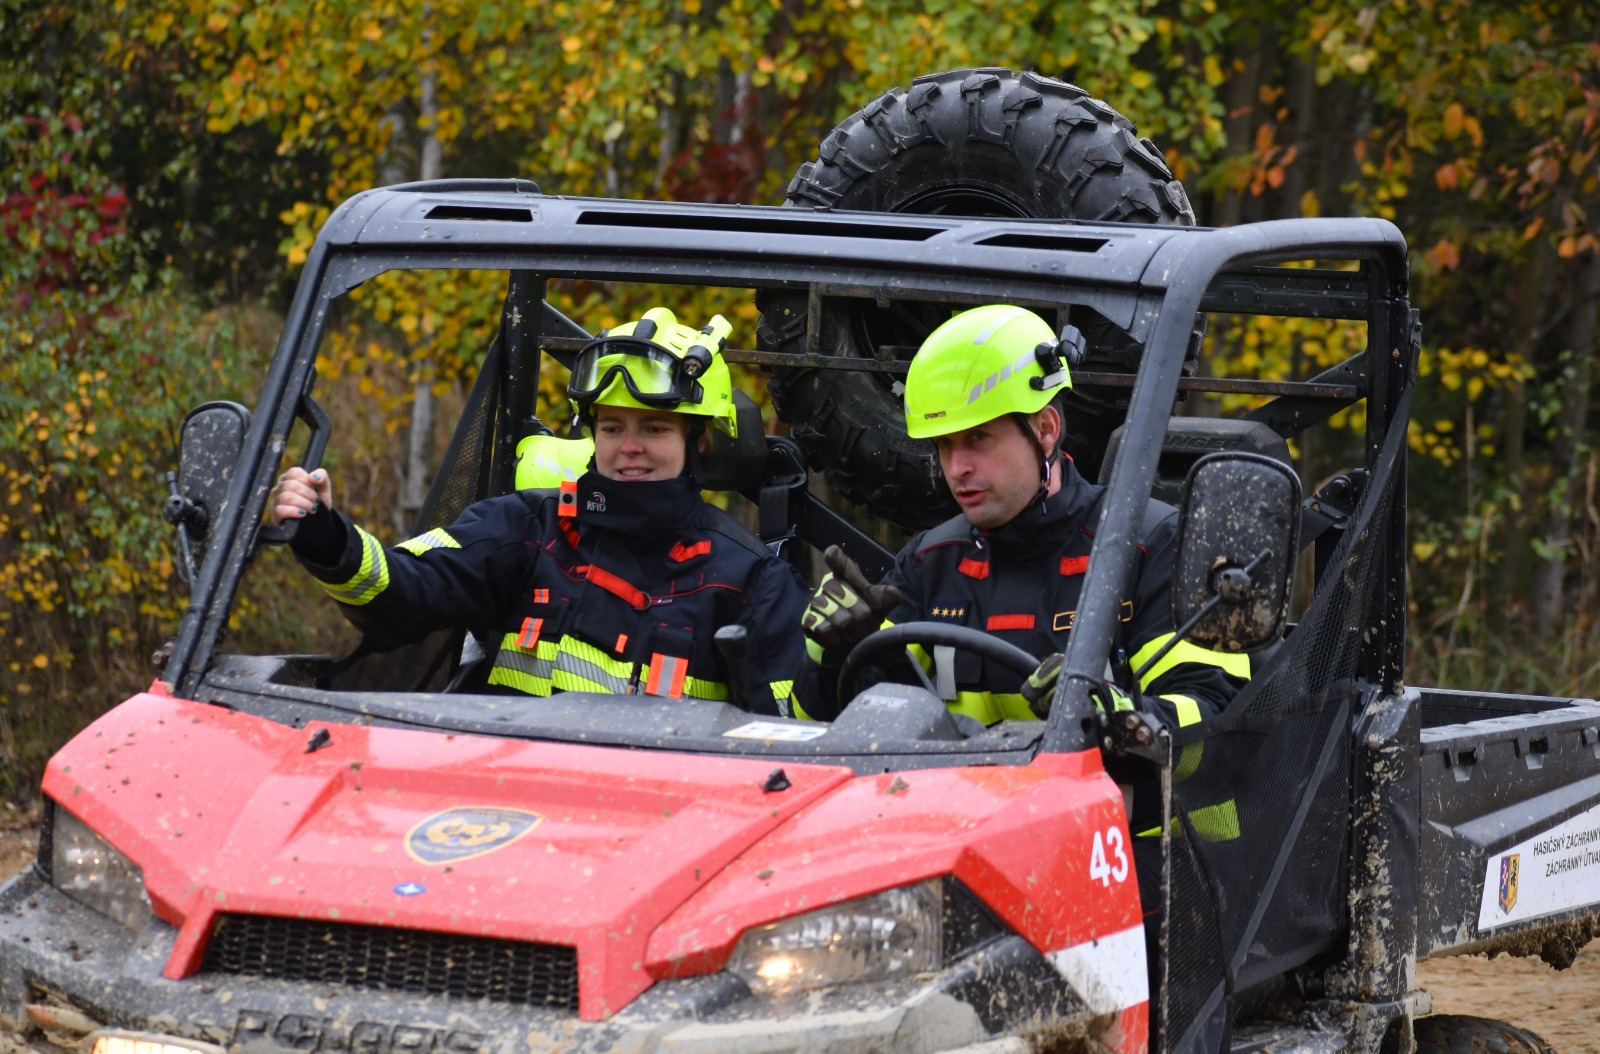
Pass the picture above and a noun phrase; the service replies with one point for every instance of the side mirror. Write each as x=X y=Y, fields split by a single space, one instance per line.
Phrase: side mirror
x=208 y=449
x=1236 y=547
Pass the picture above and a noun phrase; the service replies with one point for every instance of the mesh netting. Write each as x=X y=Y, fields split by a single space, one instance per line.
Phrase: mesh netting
x=463 y=478
x=1243 y=910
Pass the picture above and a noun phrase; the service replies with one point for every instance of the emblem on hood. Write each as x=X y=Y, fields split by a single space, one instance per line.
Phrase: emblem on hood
x=461 y=833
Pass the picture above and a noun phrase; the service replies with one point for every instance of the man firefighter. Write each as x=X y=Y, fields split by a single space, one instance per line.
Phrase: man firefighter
x=613 y=584
x=984 y=387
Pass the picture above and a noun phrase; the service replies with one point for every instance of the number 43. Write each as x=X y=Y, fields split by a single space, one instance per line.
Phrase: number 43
x=1112 y=868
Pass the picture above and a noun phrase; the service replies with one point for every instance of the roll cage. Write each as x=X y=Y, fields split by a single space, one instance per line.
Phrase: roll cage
x=1149 y=280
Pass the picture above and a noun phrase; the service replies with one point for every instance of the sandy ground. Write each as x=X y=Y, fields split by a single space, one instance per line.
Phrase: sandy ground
x=1563 y=1007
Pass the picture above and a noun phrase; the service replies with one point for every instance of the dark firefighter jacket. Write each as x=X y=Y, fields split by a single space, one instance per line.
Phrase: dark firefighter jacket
x=621 y=597
x=1020 y=582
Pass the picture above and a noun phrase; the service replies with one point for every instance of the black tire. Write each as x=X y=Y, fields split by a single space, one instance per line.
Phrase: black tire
x=1462 y=1034
x=984 y=142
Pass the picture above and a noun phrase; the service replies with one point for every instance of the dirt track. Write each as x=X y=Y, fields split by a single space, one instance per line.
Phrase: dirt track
x=1563 y=1007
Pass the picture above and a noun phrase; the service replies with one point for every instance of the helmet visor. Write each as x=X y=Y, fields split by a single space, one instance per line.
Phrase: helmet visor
x=653 y=374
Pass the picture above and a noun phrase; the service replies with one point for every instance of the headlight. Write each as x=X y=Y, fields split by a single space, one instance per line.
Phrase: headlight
x=89 y=871
x=892 y=934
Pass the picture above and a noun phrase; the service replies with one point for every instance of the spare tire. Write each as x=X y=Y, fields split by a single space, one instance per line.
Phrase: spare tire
x=983 y=142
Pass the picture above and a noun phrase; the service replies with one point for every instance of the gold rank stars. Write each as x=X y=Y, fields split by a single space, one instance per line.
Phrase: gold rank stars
x=939 y=612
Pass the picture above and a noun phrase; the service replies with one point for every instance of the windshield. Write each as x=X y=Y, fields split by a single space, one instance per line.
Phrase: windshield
x=436 y=382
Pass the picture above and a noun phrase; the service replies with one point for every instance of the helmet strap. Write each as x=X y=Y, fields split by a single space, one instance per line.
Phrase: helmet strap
x=1047 y=462
x=692 y=457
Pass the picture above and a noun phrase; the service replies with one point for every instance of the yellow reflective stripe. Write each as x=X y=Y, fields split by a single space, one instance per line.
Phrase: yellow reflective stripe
x=695 y=688
x=522 y=682
x=1213 y=823
x=1183 y=651
x=1188 y=713
x=813 y=651
x=1216 y=823
x=990 y=707
x=580 y=666
x=437 y=538
x=798 y=710
x=525 y=669
x=369 y=580
x=781 y=690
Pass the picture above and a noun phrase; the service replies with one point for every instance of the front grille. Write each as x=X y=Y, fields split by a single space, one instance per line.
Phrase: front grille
x=396 y=960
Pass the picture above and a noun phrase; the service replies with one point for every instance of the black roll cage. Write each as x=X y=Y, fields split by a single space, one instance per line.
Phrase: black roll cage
x=1149 y=280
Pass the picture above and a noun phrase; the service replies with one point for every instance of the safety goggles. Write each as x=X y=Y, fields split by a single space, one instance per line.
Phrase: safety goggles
x=653 y=374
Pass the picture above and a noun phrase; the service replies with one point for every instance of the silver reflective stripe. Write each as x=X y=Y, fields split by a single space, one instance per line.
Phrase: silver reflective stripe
x=523 y=663
x=566 y=662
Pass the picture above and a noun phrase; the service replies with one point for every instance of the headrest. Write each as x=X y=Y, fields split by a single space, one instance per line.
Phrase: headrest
x=736 y=463
x=1188 y=439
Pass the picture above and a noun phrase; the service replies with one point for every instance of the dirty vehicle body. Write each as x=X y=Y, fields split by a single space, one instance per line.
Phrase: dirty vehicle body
x=290 y=852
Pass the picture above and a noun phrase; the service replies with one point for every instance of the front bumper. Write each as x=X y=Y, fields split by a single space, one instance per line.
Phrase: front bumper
x=52 y=948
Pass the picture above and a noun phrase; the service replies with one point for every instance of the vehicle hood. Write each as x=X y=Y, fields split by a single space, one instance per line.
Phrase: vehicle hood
x=582 y=846
x=649 y=863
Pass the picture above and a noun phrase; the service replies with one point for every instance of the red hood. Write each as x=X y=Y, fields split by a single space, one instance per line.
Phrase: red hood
x=649 y=863
x=589 y=847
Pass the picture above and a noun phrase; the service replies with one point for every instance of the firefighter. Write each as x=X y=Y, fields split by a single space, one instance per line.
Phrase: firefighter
x=984 y=387
x=612 y=583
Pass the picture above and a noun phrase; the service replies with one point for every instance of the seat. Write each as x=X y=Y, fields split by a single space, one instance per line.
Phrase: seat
x=1188 y=439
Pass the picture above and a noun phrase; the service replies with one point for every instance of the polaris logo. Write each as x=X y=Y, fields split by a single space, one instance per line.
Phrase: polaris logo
x=304 y=1032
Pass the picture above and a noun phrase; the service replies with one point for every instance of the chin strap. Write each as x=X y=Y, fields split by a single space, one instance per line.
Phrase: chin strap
x=1047 y=462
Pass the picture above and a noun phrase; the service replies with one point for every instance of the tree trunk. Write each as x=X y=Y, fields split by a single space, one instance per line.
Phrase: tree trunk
x=419 y=443
x=669 y=121
x=1533 y=299
x=1303 y=110
x=1555 y=536
x=1239 y=126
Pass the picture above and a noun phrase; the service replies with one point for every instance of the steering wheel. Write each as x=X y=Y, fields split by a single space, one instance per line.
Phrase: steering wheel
x=895 y=638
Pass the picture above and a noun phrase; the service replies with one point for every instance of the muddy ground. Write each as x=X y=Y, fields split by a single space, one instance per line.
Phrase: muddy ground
x=1563 y=1006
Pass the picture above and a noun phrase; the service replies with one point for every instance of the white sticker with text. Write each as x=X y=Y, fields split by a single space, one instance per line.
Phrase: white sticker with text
x=775 y=730
x=1551 y=872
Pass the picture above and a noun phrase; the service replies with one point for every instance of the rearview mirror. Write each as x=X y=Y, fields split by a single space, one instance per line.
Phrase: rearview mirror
x=213 y=435
x=208 y=449
x=1236 y=547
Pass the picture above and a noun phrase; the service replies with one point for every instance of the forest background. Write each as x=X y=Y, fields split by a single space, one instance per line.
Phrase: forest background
x=164 y=166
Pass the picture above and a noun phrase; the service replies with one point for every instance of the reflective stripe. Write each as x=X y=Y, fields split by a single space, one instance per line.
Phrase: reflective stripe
x=782 y=692
x=696 y=688
x=580 y=666
x=573 y=665
x=1216 y=823
x=1188 y=713
x=568 y=665
x=813 y=651
x=1236 y=665
x=371 y=579
x=666 y=676
x=434 y=539
x=1213 y=823
x=990 y=707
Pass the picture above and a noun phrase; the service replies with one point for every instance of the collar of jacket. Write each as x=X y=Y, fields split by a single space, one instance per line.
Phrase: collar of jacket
x=654 y=507
x=1046 y=523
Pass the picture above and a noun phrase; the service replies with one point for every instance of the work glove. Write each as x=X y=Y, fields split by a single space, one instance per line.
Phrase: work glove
x=846 y=608
x=1040 y=689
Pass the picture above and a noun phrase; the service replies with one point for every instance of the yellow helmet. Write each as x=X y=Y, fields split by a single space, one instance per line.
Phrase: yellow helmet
x=981 y=364
x=655 y=363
